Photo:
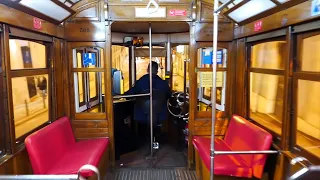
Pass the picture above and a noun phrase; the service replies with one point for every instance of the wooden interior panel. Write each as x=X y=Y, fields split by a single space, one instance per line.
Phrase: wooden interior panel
x=240 y=81
x=85 y=31
x=88 y=10
x=127 y=13
x=292 y=15
x=23 y=20
x=204 y=32
x=206 y=13
x=202 y=127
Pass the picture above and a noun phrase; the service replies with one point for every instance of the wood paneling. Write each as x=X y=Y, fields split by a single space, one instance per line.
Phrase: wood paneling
x=290 y=16
x=85 y=31
x=204 y=32
x=23 y=20
x=202 y=127
x=205 y=13
x=240 y=81
x=127 y=13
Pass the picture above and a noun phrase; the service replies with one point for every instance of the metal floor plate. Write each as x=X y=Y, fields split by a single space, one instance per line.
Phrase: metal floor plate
x=152 y=174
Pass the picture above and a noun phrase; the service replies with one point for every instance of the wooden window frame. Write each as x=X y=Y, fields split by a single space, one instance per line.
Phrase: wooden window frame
x=279 y=72
x=298 y=74
x=29 y=72
x=2 y=101
x=84 y=46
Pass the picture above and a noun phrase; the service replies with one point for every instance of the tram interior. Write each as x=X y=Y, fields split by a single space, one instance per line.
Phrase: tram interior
x=64 y=77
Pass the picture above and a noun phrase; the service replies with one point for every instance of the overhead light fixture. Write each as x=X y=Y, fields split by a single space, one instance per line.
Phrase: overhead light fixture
x=250 y=9
x=48 y=8
x=282 y=1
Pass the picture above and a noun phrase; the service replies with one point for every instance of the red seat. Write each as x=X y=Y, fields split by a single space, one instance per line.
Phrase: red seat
x=54 y=150
x=241 y=136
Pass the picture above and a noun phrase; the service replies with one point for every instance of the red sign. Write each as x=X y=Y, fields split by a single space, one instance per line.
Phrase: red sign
x=37 y=24
x=257 y=26
x=176 y=12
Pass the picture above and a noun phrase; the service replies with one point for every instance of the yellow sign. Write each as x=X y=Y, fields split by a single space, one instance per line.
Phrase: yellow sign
x=206 y=79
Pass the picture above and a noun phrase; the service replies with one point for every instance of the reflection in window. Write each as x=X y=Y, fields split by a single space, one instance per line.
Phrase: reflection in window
x=30 y=102
x=311 y=54
x=179 y=55
x=120 y=61
x=27 y=54
x=268 y=55
x=89 y=88
x=266 y=100
x=308 y=116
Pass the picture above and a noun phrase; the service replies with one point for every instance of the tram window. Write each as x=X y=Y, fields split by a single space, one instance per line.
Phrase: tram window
x=266 y=88
x=308 y=116
x=27 y=55
x=30 y=94
x=309 y=60
x=89 y=91
x=179 y=55
x=120 y=61
x=142 y=66
x=268 y=55
x=88 y=59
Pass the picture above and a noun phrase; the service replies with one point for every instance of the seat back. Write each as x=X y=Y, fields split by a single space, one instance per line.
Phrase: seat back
x=47 y=146
x=242 y=135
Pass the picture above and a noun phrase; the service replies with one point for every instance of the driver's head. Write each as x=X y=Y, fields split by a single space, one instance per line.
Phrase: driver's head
x=154 y=66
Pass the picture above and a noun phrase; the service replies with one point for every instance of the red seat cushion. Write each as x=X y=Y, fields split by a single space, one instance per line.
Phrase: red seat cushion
x=230 y=165
x=84 y=152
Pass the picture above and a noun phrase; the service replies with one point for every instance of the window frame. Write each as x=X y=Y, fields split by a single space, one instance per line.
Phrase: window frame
x=298 y=74
x=2 y=108
x=31 y=72
x=85 y=46
x=279 y=72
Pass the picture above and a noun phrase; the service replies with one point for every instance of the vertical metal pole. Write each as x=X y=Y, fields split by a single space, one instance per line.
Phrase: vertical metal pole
x=132 y=66
x=213 y=93
x=151 y=94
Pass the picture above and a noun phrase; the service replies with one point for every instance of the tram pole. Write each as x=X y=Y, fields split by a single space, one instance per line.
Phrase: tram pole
x=151 y=94
x=213 y=93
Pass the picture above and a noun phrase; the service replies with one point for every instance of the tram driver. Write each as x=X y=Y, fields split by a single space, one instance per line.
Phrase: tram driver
x=142 y=86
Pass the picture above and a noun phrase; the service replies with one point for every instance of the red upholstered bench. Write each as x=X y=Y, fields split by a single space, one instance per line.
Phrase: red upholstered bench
x=54 y=150
x=240 y=136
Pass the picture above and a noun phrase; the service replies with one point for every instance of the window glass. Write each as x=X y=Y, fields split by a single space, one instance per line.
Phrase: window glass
x=30 y=102
x=27 y=54
x=89 y=92
x=310 y=54
x=120 y=62
x=308 y=116
x=142 y=66
x=88 y=59
x=266 y=100
x=179 y=56
x=268 y=55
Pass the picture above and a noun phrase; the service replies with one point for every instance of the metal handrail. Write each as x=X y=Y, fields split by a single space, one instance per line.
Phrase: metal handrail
x=128 y=96
x=53 y=177
x=305 y=169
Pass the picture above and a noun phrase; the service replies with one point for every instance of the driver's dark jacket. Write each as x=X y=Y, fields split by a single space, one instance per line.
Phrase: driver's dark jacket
x=141 y=86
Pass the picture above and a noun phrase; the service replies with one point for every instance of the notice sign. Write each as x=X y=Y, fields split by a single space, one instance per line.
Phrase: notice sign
x=145 y=13
x=257 y=26
x=177 y=12
x=206 y=79
x=315 y=7
x=37 y=24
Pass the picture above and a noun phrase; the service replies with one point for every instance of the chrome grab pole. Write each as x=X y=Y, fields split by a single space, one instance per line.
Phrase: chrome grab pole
x=216 y=11
x=151 y=94
x=213 y=89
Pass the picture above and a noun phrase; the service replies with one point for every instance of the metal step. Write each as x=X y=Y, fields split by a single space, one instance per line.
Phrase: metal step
x=152 y=174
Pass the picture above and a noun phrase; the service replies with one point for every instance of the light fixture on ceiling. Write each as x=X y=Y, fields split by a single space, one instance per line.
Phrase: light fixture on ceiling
x=250 y=9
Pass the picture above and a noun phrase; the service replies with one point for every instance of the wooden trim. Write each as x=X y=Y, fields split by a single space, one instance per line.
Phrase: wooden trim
x=28 y=72
x=108 y=88
x=29 y=35
x=269 y=35
x=311 y=76
x=201 y=44
x=86 y=116
x=267 y=71
x=315 y=25
x=193 y=90
x=292 y=15
x=6 y=38
x=88 y=70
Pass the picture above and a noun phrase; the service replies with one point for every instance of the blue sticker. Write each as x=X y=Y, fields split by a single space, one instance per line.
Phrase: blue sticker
x=315 y=8
x=219 y=56
x=207 y=55
x=89 y=59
